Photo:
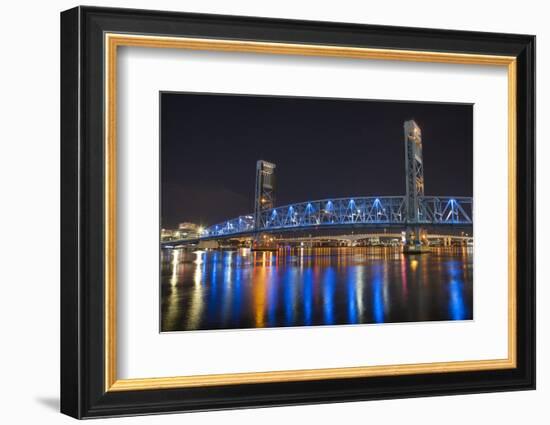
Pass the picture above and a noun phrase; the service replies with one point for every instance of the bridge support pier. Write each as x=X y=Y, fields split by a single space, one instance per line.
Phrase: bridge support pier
x=416 y=241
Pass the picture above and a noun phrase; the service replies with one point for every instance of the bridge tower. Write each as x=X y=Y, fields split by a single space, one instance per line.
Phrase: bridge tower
x=264 y=198
x=414 y=176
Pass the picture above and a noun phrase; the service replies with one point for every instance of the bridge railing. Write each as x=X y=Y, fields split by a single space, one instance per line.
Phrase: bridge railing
x=339 y=211
x=446 y=210
x=241 y=224
x=370 y=210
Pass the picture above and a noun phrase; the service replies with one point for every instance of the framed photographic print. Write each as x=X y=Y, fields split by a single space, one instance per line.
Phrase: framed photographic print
x=261 y=212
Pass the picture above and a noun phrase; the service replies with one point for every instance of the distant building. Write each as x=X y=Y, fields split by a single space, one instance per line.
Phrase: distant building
x=184 y=231
x=168 y=235
x=189 y=230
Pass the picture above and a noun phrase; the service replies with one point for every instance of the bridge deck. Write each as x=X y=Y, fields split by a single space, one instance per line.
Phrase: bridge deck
x=386 y=211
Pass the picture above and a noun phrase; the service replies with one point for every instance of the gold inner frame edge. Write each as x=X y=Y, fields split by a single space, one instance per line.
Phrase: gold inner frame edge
x=112 y=41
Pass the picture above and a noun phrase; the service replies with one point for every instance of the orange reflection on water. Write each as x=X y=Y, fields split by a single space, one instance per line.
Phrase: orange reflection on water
x=259 y=287
x=197 y=304
x=177 y=269
x=403 y=267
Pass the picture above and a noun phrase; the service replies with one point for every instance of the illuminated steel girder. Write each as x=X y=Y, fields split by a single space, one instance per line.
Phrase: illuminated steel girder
x=348 y=212
x=264 y=198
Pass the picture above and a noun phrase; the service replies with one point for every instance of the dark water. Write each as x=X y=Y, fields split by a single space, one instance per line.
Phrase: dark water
x=319 y=286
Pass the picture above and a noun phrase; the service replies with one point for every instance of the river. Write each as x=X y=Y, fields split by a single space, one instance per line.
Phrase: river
x=205 y=290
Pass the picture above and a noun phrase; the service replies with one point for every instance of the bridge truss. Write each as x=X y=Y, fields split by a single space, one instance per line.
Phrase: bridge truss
x=338 y=212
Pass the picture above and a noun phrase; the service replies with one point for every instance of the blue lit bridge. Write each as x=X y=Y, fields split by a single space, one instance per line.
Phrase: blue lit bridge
x=412 y=212
x=389 y=211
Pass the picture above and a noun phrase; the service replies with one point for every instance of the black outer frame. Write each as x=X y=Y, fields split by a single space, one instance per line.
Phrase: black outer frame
x=82 y=206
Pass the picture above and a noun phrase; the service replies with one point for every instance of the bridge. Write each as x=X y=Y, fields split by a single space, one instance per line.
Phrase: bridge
x=413 y=211
x=389 y=211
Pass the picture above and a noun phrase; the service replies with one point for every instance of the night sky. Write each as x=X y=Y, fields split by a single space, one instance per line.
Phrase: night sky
x=322 y=148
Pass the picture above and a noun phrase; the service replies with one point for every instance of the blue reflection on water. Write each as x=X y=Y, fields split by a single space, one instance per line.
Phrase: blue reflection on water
x=457 y=309
x=288 y=285
x=352 y=295
x=213 y=302
x=204 y=269
x=272 y=299
x=237 y=292
x=214 y=270
x=227 y=287
x=377 y=293
x=308 y=296
x=328 y=295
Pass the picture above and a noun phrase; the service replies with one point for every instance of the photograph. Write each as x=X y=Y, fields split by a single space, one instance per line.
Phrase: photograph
x=283 y=209
x=300 y=211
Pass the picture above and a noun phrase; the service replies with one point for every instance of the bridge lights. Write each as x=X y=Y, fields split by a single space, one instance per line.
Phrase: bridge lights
x=368 y=211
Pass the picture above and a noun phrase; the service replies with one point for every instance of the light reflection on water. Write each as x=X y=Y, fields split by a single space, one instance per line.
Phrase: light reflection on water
x=318 y=286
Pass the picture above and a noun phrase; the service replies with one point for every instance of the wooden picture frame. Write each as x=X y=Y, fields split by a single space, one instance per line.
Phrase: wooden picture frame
x=90 y=38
